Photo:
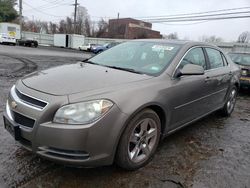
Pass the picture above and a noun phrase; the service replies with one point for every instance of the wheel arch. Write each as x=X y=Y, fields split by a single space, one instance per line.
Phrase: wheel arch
x=157 y=108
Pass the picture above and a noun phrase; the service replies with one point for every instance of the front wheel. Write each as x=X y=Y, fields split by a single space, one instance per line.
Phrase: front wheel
x=139 y=140
x=230 y=102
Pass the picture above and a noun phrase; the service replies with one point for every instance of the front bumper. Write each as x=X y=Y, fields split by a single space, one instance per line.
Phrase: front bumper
x=85 y=145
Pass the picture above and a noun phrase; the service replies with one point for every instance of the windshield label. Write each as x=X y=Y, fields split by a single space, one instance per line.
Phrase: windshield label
x=160 y=47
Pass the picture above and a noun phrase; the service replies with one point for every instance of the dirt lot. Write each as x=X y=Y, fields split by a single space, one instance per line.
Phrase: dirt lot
x=214 y=152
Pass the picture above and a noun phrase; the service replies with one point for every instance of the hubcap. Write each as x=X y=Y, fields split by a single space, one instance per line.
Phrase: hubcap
x=231 y=101
x=142 y=140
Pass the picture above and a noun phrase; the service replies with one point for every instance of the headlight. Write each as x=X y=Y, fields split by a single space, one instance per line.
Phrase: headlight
x=82 y=113
x=244 y=73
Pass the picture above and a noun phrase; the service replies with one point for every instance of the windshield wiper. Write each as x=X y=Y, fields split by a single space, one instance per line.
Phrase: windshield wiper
x=125 y=69
x=90 y=62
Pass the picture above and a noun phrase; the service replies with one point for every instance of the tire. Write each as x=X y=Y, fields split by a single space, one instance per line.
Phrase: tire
x=139 y=141
x=230 y=102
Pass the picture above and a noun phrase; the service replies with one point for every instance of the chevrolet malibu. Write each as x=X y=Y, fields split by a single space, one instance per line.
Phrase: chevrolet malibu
x=116 y=106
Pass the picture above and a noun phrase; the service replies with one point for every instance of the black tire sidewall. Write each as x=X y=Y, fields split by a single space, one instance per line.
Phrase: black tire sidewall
x=122 y=157
x=225 y=111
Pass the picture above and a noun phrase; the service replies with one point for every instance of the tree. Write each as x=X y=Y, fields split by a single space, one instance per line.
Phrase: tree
x=211 y=39
x=52 y=28
x=171 y=36
x=244 y=37
x=88 y=30
x=102 y=28
x=82 y=21
x=7 y=10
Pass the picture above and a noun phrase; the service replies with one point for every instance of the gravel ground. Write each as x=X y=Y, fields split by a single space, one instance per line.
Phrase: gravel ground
x=214 y=152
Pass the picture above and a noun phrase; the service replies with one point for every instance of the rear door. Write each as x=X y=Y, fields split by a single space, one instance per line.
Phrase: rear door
x=218 y=77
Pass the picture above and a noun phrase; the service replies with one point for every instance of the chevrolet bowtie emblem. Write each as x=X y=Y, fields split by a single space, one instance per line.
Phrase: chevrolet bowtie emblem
x=13 y=104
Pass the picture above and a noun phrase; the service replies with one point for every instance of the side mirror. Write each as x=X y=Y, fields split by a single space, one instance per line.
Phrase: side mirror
x=191 y=69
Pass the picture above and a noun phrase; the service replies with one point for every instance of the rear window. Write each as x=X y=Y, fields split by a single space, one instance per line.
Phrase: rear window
x=215 y=58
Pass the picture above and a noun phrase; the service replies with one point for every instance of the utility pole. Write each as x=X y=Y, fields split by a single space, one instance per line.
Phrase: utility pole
x=75 y=15
x=21 y=16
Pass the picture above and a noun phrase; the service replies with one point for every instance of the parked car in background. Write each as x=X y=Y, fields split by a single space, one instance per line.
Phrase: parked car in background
x=117 y=105
x=100 y=48
x=86 y=47
x=243 y=60
x=7 y=39
x=28 y=43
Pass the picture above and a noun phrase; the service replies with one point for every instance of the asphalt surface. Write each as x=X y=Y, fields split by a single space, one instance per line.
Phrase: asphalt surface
x=214 y=152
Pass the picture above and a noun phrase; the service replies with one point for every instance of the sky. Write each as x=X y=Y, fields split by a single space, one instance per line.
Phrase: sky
x=229 y=30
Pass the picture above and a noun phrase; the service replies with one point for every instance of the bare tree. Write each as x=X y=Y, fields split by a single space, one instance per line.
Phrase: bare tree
x=88 y=31
x=102 y=28
x=171 y=36
x=82 y=21
x=62 y=26
x=211 y=39
x=244 y=37
x=35 y=26
x=52 y=28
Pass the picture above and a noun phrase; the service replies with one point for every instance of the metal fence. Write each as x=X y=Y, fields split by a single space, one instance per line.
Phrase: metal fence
x=48 y=39
x=102 y=40
x=43 y=39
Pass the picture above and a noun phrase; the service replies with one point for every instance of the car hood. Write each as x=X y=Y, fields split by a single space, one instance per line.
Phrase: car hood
x=80 y=77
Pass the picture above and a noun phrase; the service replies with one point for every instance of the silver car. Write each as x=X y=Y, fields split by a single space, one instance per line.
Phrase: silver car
x=116 y=106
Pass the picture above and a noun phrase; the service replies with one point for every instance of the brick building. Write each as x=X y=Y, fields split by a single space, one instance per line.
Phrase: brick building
x=128 y=28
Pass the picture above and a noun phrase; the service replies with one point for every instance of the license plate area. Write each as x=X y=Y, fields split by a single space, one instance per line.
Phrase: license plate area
x=14 y=130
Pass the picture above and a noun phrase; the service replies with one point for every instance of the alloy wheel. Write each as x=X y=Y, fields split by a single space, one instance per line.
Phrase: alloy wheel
x=231 y=100
x=142 y=140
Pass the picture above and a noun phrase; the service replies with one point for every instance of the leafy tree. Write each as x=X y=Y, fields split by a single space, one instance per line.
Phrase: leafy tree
x=7 y=10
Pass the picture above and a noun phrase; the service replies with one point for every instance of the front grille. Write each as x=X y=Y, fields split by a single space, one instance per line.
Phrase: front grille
x=23 y=120
x=31 y=101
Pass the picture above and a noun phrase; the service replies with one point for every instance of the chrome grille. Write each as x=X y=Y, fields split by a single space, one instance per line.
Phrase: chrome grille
x=27 y=100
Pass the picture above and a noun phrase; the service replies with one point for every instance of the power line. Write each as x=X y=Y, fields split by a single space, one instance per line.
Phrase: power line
x=53 y=4
x=201 y=19
x=187 y=14
x=41 y=11
x=199 y=16
x=177 y=24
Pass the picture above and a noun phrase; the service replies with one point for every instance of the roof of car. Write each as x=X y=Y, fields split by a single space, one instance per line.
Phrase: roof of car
x=180 y=42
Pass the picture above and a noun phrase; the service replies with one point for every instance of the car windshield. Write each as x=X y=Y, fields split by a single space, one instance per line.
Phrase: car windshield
x=143 y=57
x=242 y=59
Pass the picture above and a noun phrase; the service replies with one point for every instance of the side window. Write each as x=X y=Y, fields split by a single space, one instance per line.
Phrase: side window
x=194 y=56
x=215 y=58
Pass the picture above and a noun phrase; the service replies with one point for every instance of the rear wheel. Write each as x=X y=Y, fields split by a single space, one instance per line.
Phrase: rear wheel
x=139 y=140
x=230 y=103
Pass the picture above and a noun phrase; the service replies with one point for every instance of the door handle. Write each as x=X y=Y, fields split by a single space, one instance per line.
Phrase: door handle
x=207 y=79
